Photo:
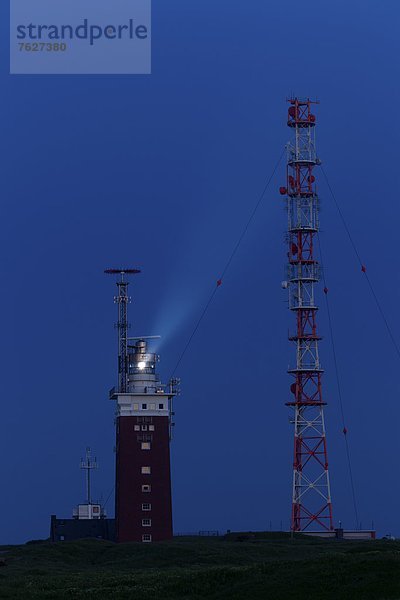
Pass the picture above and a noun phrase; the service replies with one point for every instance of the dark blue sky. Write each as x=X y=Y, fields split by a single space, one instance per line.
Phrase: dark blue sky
x=162 y=171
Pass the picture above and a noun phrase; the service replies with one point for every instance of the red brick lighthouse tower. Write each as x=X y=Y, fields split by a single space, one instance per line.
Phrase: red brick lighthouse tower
x=143 y=507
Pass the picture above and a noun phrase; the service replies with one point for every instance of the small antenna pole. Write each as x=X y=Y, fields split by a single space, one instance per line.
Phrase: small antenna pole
x=88 y=465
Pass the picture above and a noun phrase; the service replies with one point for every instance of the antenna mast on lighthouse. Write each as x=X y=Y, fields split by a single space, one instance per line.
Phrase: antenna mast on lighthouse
x=122 y=299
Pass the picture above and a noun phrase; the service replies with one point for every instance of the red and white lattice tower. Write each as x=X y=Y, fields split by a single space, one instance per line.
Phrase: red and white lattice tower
x=311 y=500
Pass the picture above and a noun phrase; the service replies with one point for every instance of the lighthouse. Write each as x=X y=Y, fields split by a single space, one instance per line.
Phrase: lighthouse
x=144 y=413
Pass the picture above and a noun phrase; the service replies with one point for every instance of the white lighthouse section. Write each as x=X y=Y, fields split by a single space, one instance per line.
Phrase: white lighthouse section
x=145 y=396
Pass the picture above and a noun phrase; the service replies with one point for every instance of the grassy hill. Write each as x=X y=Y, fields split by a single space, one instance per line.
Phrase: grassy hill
x=266 y=567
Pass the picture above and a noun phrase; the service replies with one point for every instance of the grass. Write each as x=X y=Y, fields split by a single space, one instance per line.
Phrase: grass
x=267 y=567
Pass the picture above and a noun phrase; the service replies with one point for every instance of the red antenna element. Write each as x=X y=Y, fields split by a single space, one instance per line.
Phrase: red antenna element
x=311 y=497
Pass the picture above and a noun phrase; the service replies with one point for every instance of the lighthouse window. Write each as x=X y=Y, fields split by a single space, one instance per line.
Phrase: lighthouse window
x=145 y=446
x=146 y=488
x=152 y=407
x=136 y=407
x=146 y=470
x=146 y=537
x=151 y=427
x=146 y=506
x=144 y=427
x=144 y=406
x=146 y=522
x=137 y=427
x=161 y=406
